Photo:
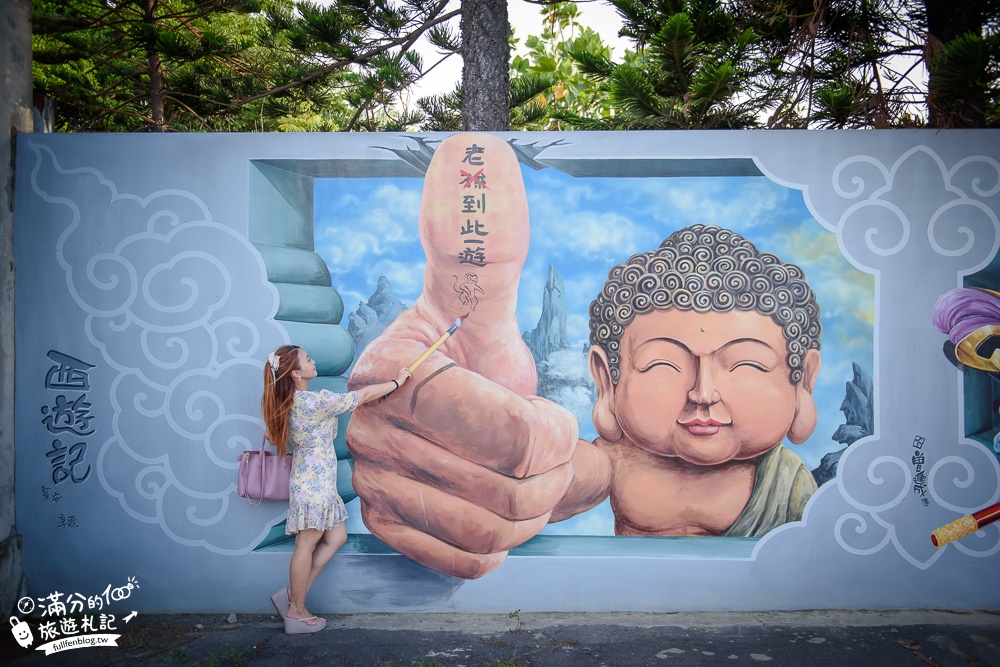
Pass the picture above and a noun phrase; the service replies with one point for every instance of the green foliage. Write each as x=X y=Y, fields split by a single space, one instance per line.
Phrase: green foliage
x=861 y=63
x=228 y=64
x=964 y=76
x=296 y=65
x=516 y=616
x=554 y=67
x=840 y=105
x=528 y=99
x=433 y=662
x=796 y=64
x=694 y=68
x=442 y=112
x=831 y=61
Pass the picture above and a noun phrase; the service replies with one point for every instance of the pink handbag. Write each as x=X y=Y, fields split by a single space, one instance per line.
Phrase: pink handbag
x=263 y=475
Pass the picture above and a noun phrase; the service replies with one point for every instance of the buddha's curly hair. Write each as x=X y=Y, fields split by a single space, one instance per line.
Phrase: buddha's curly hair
x=707 y=268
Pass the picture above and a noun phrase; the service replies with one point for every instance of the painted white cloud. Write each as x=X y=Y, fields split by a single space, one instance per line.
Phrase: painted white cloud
x=569 y=366
x=577 y=329
x=351 y=299
x=563 y=224
x=567 y=374
x=582 y=289
x=407 y=279
x=689 y=202
x=349 y=250
x=595 y=235
x=354 y=231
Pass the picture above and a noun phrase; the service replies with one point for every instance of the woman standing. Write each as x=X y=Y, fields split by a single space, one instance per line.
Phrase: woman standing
x=307 y=420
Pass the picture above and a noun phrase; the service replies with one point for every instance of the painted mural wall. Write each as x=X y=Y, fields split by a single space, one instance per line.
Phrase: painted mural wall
x=692 y=370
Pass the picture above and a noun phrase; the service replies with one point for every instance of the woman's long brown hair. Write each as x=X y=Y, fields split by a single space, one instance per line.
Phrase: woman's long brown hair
x=279 y=391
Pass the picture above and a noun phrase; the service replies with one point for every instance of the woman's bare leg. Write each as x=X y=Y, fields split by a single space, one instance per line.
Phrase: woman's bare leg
x=332 y=540
x=300 y=572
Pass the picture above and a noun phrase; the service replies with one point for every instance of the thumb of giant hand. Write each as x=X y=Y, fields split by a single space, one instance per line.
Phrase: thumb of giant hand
x=474 y=230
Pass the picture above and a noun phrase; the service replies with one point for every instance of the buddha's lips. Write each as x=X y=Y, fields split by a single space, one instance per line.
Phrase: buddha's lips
x=702 y=426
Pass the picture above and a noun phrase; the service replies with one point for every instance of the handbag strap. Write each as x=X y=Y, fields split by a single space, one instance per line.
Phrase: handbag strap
x=263 y=439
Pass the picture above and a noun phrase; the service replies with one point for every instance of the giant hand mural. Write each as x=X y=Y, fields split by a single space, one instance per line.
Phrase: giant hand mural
x=469 y=463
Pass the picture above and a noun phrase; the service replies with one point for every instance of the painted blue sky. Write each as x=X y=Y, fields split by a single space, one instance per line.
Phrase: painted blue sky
x=366 y=228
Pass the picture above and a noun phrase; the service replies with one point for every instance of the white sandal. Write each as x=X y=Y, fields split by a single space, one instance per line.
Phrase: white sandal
x=298 y=626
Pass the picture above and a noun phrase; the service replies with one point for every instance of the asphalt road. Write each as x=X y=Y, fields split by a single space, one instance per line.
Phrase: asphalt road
x=799 y=639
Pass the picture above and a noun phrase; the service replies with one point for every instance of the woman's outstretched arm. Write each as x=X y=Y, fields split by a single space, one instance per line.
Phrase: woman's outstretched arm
x=373 y=391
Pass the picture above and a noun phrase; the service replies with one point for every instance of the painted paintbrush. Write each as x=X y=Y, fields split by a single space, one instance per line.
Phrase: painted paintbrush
x=436 y=344
x=967 y=525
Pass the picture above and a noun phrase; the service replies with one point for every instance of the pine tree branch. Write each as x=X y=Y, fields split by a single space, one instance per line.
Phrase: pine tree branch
x=405 y=42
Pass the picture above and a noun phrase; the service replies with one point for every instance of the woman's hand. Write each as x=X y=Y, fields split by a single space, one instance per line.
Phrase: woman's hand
x=402 y=376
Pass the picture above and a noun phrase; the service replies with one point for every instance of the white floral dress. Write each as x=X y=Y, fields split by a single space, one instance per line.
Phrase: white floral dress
x=313 y=501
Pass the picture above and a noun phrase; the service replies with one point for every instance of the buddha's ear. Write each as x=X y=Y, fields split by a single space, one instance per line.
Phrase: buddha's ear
x=604 y=408
x=804 y=421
